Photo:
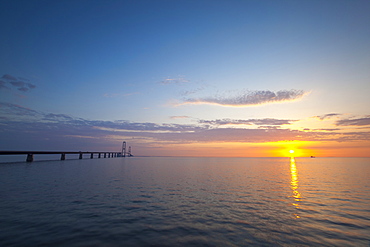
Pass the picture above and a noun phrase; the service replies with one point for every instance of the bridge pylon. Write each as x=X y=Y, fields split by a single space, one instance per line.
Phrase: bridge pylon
x=124 y=149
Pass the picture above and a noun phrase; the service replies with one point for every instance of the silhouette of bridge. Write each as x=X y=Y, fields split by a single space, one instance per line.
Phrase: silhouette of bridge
x=30 y=154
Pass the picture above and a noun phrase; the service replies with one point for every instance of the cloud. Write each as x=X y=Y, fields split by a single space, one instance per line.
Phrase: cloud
x=330 y=115
x=3 y=85
x=57 y=117
x=268 y=127
x=265 y=121
x=9 y=77
x=249 y=98
x=354 y=122
x=16 y=113
x=189 y=92
x=179 y=117
x=22 y=127
x=113 y=95
x=336 y=129
x=30 y=85
x=17 y=83
x=13 y=111
x=23 y=89
x=178 y=80
x=14 y=82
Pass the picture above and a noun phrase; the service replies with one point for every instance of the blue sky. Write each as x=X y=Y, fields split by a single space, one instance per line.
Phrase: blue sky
x=173 y=65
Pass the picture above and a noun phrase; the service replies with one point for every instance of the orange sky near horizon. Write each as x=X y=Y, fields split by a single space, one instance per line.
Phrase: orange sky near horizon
x=272 y=149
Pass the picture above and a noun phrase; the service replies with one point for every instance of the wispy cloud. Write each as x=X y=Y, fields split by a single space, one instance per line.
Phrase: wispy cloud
x=336 y=129
x=354 y=122
x=30 y=85
x=17 y=83
x=3 y=85
x=249 y=98
x=23 y=89
x=114 y=95
x=178 y=80
x=13 y=111
x=17 y=113
x=265 y=121
x=12 y=81
x=193 y=91
x=327 y=116
x=179 y=117
x=9 y=77
x=57 y=117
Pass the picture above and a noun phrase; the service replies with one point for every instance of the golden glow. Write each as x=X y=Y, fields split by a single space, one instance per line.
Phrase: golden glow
x=245 y=149
x=285 y=148
x=294 y=184
x=237 y=149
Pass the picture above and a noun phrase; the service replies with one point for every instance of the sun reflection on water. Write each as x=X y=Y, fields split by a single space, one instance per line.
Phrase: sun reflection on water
x=294 y=184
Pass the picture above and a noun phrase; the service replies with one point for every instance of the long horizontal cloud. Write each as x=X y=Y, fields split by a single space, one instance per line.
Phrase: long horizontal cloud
x=354 y=122
x=18 y=114
x=264 y=121
x=178 y=80
x=250 y=98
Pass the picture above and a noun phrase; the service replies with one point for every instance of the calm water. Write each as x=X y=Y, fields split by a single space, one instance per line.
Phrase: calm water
x=186 y=202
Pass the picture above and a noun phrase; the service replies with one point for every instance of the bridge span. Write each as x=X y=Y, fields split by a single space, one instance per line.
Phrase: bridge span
x=63 y=154
x=30 y=154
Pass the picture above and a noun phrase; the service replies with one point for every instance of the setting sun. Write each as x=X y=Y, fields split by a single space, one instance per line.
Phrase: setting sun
x=291 y=151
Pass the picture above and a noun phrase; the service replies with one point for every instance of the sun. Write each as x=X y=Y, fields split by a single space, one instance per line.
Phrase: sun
x=291 y=151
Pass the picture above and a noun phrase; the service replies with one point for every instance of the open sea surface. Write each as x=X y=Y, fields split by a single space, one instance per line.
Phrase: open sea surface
x=167 y=201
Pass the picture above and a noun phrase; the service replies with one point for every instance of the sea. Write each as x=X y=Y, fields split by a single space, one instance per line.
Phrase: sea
x=185 y=201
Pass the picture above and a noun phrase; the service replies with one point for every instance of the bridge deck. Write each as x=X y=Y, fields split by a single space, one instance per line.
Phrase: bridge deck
x=62 y=153
x=50 y=152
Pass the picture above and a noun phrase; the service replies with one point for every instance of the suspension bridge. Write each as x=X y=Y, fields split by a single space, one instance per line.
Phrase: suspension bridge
x=30 y=154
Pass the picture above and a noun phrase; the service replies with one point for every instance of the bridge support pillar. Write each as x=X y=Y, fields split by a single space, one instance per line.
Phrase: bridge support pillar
x=92 y=156
x=63 y=157
x=29 y=158
x=105 y=155
x=80 y=157
x=99 y=156
x=108 y=155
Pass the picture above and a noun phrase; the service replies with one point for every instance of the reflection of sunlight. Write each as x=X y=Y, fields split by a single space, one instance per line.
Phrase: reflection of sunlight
x=294 y=183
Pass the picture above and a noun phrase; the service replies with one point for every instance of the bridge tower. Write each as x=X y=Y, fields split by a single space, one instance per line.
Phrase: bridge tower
x=129 y=151
x=124 y=149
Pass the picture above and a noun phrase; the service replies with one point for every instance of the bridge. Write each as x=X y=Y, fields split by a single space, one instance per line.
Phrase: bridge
x=30 y=154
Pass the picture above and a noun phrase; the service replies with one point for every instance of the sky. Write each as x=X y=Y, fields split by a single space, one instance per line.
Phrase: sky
x=216 y=78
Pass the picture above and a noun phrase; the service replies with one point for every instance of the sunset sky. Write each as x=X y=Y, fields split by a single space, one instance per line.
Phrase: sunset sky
x=226 y=78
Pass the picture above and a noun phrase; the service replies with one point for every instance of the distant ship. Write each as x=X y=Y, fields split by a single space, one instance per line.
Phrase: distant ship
x=313 y=157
